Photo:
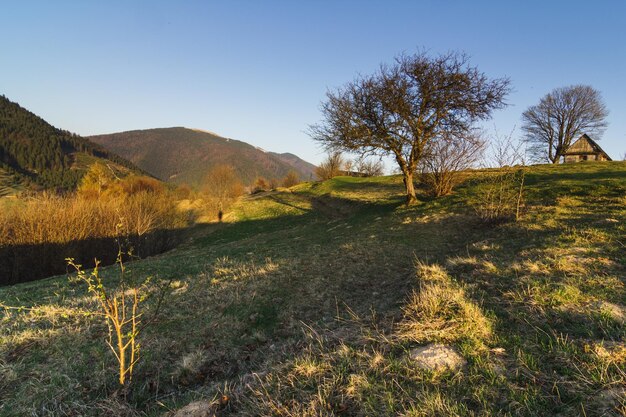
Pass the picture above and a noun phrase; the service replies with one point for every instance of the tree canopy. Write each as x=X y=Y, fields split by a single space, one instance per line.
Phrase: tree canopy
x=402 y=108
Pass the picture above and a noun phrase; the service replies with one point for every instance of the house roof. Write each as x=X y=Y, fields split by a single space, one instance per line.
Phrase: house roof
x=585 y=146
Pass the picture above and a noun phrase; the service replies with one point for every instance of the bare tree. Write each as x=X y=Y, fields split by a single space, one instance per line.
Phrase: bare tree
x=369 y=167
x=446 y=158
x=331 y=166
x=223 y=184
x=561 y=116
x=400 y=109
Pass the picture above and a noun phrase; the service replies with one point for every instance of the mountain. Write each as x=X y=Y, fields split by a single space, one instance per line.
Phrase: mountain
x=304 y=168
x=182 y=155
x=34 y=153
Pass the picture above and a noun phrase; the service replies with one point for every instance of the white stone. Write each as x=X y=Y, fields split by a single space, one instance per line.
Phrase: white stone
x=437 y=357
x=197 y=409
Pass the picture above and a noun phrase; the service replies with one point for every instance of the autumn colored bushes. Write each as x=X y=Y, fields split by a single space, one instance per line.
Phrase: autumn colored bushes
x=38 y=233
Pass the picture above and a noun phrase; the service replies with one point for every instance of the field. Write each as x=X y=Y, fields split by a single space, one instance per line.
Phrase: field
x=309 y=301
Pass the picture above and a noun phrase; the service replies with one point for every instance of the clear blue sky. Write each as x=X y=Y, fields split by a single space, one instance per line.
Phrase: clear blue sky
x=258 y=70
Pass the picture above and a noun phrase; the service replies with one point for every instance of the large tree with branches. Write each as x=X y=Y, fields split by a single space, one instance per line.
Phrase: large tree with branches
x=403 y=107
x=560 y=117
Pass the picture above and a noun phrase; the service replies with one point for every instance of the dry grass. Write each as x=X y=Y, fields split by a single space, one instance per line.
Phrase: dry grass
x=440 y=311
x=38 y=233
x=55 y=219
x=296 y=307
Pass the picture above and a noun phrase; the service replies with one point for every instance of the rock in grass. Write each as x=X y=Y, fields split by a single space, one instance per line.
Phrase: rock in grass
x=437 y=357
x=197 y=409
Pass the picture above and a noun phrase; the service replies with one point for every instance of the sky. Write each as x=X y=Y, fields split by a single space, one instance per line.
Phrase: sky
x=258 y=71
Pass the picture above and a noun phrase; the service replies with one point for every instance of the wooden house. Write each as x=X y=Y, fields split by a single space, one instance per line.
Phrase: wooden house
x=585 y=149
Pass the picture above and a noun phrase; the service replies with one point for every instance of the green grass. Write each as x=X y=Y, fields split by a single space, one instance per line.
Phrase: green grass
x=8 y=184
x=307 y=302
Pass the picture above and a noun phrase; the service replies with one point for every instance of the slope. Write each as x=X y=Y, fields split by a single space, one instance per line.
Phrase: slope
x=304 y=168
x=184 y=155
x=39 y=154
x=300 y=306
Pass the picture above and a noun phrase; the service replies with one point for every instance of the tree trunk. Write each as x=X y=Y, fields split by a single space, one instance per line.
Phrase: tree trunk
x=410 y=189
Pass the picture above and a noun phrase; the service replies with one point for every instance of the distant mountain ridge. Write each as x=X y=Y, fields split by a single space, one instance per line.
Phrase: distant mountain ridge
x=185 y=156
x=35 y=153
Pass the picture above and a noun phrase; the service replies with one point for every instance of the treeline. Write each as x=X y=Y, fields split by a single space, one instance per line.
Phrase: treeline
x=40 y=153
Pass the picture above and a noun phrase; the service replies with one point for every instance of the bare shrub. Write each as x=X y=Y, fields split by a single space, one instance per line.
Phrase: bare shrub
x=370 y=167
x=500 y=194
x=260 y=184
x=445 y=160
x=330 y=167
x=37 y=233
x=292 y=178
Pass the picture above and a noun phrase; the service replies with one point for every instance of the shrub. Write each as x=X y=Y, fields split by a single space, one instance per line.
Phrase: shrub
x=446 y=159
x=38 y=233
x=260 y=184
x=122 y=308
x=330 y=167
x=500 y=194
x=291 y=179
x=370 y=168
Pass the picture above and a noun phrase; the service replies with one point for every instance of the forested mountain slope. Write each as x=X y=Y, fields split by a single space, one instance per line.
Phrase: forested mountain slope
x=38 y=154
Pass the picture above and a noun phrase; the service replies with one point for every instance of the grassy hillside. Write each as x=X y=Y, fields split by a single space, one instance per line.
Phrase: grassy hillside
x=9 y=183
x=42 y=155
x=184 y=155
x=309 y=302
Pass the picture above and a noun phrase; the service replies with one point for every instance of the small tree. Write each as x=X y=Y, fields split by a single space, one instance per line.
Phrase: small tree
x=96 y=180
x=331 y=166
x=446 y=158
x=223 y=184
x=404 y=107
x=560 y=117
x=122 y=309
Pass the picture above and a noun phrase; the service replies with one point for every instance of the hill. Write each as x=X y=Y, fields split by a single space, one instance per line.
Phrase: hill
x=33 y=152
x=304 y=168
x=182 y=155
x=317 y=300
